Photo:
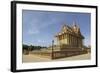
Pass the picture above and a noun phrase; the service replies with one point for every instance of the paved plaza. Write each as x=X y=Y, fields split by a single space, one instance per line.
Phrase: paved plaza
x=36 y=58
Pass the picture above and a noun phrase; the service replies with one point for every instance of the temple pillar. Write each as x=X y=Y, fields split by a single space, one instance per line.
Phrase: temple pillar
x=78 y=42
x=62 y=38
x=73 y=41
x=69 y=39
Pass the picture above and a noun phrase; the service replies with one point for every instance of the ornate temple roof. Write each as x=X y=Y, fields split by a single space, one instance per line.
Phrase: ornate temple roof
x=73 y=30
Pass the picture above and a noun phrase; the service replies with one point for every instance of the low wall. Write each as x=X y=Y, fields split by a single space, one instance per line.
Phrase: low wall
x=62 y=54
x=58 y=54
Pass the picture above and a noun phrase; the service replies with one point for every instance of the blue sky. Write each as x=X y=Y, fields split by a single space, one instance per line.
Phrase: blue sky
x=40 y=27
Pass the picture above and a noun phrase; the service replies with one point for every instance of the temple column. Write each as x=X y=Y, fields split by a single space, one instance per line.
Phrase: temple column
x=71 y=40
x=68 y=38
x=65 y=38
x=80 y=43
x=62 y=38
x=75 y=41
x=58 y=40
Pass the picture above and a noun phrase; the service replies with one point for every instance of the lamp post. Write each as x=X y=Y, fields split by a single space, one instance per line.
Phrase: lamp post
x=52 y=49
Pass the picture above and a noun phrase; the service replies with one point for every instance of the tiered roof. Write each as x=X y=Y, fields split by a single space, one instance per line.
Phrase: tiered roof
x=73 y=30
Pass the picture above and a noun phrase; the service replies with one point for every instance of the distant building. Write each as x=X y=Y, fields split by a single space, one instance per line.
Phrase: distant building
x=70 y=37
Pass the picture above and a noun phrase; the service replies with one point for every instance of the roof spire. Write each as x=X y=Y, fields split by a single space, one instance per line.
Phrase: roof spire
x=75 y=24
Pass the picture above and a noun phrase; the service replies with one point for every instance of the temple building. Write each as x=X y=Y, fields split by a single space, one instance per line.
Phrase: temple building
x=70 y=37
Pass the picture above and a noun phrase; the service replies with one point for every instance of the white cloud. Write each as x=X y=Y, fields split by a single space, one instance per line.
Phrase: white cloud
x=41 y=41
x=33 y=31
